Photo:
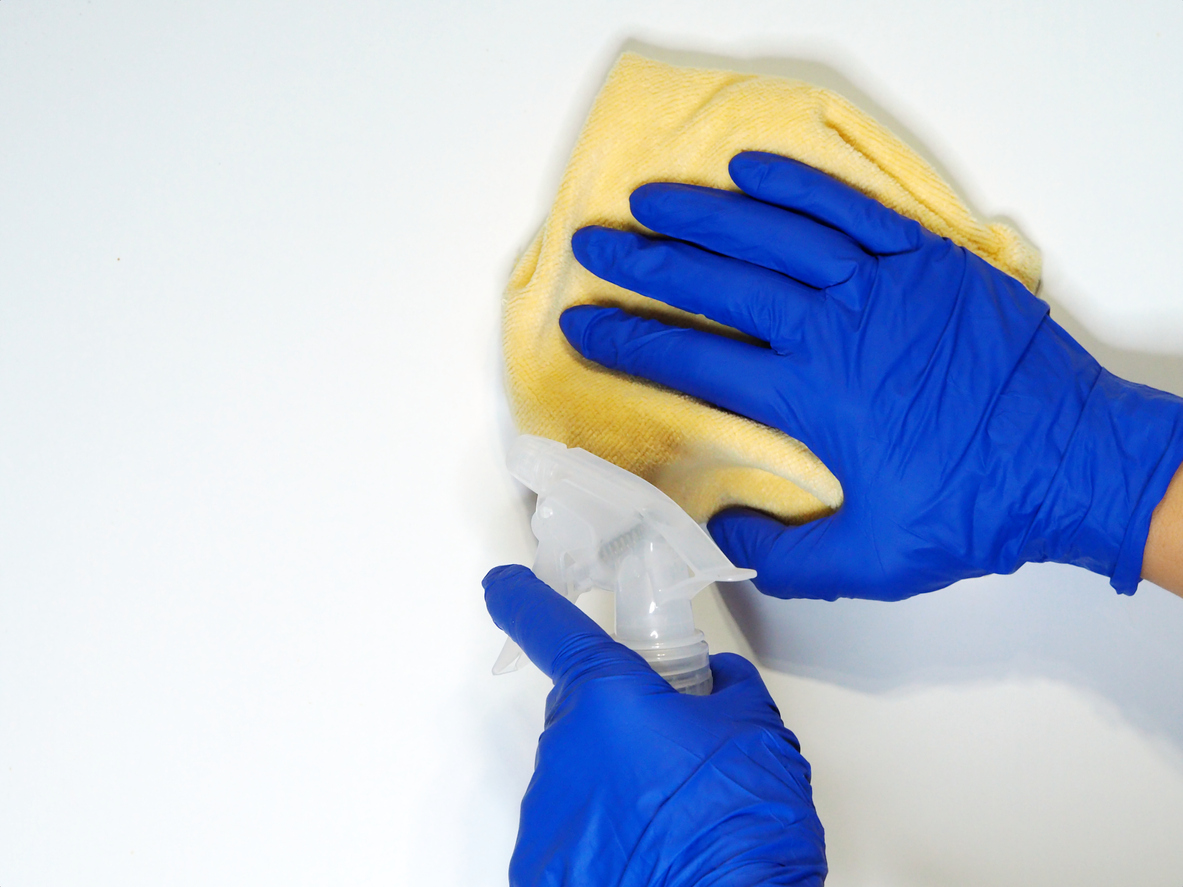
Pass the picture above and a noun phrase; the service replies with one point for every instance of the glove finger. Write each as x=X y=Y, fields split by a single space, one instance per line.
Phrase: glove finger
x=790 y=562
x=732 y=670
x=555 y=634
x=738 y=226
x=733 y=375
x=739 y=679
x=803 y=189
x=747 y=537
x=750 y=298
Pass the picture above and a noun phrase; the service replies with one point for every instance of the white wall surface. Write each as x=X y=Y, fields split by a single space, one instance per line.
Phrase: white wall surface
x=251 y=435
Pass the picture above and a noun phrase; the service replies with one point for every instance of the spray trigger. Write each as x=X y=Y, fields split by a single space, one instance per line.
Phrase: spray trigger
x=599 y=526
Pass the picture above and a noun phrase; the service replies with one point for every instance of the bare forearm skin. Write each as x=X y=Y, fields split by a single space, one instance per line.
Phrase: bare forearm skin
x=1162 y=562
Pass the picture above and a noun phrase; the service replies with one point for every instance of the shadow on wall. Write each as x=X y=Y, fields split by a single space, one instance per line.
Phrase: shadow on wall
x=1046 y=621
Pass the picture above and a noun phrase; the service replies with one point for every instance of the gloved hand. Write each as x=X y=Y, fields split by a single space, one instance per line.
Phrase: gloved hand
x=970 y=433
x=636 y=784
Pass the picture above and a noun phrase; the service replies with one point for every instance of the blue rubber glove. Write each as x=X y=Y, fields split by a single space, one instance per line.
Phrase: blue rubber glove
x=636 y=784
x=970 y=433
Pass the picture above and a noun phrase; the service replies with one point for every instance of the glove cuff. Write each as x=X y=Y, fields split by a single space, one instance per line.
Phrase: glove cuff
x=1155 y=423
x=1120 y=459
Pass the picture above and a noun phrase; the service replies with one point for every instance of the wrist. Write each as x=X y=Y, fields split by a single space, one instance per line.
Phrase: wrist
x=1034 y=428
x=1123 y=450
x=1159 y=444
x=1162 y=562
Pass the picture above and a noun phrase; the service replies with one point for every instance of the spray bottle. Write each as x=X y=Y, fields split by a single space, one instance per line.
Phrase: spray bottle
x=599 y=526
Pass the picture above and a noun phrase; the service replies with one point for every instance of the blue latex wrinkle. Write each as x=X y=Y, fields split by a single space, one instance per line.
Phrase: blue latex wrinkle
x=971 y=434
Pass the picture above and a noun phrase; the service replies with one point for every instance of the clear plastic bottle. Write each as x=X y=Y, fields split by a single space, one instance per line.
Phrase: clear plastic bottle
x=599 y=526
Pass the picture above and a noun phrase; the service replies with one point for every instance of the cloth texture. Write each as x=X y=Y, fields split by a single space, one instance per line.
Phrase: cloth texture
x=654 y=122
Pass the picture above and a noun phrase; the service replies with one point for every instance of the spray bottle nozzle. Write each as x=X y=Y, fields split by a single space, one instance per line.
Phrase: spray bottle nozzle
x=599 y=526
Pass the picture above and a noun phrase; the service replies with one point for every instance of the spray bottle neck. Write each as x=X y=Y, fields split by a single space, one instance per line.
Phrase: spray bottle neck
x=662 y=633
x=598 y=526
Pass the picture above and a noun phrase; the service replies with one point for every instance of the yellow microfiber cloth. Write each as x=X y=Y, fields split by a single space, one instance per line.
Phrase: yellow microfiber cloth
x=655 y=122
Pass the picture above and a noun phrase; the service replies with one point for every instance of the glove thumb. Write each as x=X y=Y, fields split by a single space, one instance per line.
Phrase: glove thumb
x=790 y=562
